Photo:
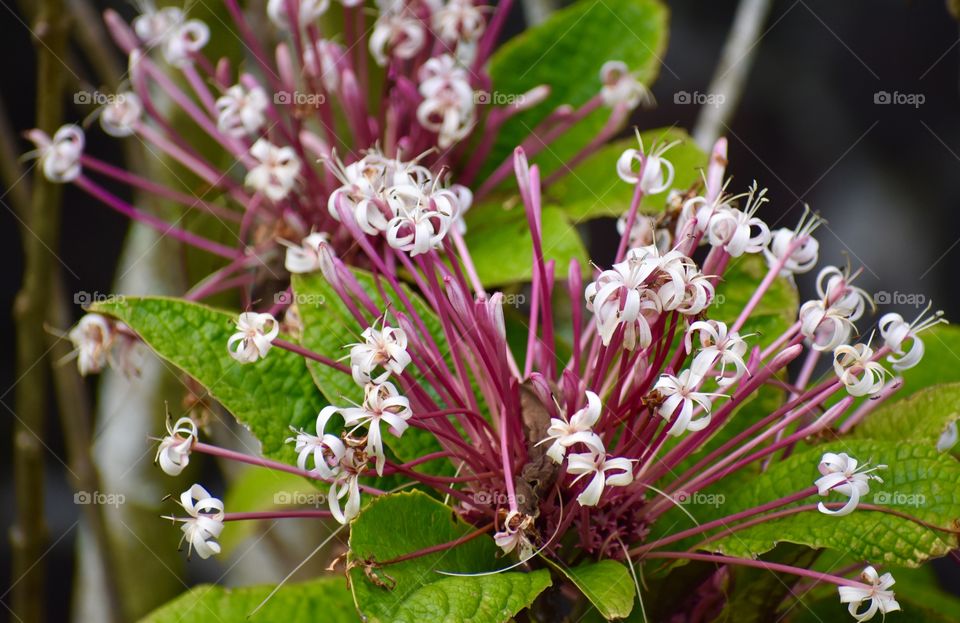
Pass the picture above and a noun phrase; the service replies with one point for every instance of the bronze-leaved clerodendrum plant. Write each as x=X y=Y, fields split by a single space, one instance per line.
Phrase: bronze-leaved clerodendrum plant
x=629 y=420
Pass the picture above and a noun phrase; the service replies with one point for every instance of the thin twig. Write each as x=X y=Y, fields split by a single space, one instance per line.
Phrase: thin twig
x=41 y=228
x=11 y=170
x=731 y=73
x=76 y=420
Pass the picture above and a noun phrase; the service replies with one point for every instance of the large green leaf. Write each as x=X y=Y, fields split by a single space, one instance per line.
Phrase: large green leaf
x=403 y=523
x=293 y=603
x=268 y=396
x=607 y=584
x=593 y=190
x=553 y=53
x=502 y=248
x=920 y=418
x=919 y=481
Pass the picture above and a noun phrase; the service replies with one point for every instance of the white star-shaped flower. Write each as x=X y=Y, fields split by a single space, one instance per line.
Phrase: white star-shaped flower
x=276 y=171
x=383 y=350
x=578 y=429
x=173 y=455
x=597 y=464
x=877 y=591
x=842 y=474
x=680 y=396
x=381 y=403
x=204 y=524
x=254 y=337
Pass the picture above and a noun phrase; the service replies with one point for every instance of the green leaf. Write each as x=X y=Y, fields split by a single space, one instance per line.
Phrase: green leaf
x=502 y=249
x=919 y=481
x=607 y=584
x=919 y=418
x=593 y=190
x=293 y=603
x=268 y=396
x=633 y=31
x=403 y=523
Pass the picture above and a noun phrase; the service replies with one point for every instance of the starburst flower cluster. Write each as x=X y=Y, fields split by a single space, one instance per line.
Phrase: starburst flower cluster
x=402 y=201
x=648 y=366
x=576 y=443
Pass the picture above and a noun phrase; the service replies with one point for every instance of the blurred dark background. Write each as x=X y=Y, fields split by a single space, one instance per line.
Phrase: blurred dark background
x=884 y=175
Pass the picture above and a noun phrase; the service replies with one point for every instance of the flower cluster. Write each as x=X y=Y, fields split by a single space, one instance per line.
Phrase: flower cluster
x=650 y=379
x=398 y=200
x=342 y=459
x=638 y=290
x=577 y=444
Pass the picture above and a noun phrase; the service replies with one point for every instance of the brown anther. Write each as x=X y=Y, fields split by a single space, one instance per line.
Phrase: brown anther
x=653 y=400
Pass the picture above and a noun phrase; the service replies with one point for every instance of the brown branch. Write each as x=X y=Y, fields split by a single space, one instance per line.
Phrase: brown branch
x=41 y=229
